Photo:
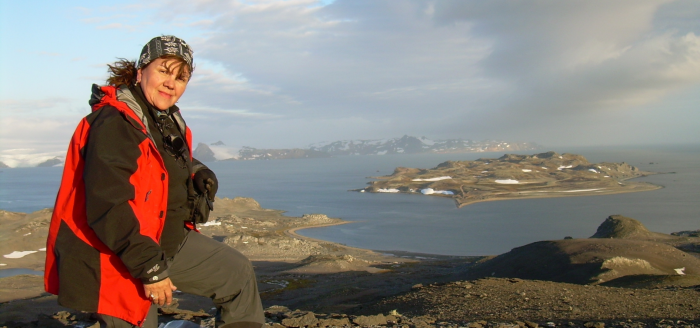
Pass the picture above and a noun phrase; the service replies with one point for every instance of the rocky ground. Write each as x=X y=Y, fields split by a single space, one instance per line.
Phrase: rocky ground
x=623 y=276
x=514 y=177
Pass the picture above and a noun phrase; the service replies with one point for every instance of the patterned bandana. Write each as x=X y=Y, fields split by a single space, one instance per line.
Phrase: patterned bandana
x=165 y=45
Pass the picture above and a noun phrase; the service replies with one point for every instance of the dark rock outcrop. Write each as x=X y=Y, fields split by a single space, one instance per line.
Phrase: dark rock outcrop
x=687 y=233
x=3 y=165
x=203 y=153
x=621 y=227
x=618 y=226
x=50 y=162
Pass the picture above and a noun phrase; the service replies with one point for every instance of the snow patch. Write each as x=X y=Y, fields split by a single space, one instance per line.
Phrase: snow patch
x=593 y=170
x=431 y=191
x=387 y=190
x=222 y=152
x=507 y=181
x=680 y=271
x=564 y=167
x=527 y=170
x=434 y=179
x=210 y=223
x=18 y=254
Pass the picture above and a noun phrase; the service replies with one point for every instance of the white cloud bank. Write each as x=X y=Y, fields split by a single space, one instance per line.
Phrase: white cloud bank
x=289 y=73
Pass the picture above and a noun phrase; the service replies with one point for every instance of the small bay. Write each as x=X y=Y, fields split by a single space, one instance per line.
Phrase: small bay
x=427 y=224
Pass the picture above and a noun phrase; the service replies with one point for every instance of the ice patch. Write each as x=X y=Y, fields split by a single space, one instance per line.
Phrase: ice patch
x=387 y=190
x=18 y=254
x=434 y=179
x=507 y=181
x=430 y=191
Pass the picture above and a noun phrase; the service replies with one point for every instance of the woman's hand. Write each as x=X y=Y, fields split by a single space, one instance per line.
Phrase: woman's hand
x=161 y=292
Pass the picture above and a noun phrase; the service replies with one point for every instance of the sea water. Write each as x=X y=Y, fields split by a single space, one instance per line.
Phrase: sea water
x=428 y=224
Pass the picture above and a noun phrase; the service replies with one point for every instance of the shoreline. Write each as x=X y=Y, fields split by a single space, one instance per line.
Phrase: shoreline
x=558 y=194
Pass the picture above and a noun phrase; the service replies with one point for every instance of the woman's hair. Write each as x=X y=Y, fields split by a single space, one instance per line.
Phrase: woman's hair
x=123 y=71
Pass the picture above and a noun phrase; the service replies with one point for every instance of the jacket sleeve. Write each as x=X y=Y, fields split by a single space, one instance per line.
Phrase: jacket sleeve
x=197 y=165
x=111 y=155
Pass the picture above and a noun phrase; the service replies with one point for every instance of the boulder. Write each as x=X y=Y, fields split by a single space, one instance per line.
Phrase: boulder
x=370 y=320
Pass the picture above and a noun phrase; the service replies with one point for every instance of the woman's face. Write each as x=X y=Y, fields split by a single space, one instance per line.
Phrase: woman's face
x=161 y=84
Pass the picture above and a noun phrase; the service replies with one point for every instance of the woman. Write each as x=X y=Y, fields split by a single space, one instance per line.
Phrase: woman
x=122 y=233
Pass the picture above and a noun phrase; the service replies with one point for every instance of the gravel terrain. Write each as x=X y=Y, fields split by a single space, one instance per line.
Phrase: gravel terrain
x=623 y=276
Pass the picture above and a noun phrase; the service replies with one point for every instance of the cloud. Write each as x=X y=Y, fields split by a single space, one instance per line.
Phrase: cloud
x=331 y=62
x=13 y=107
x=580 y=55
x=553 y=72
x=40 y=134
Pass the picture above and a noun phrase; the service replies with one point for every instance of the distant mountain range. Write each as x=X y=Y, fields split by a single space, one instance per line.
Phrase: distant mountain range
x=218 y=151
x=404 y=145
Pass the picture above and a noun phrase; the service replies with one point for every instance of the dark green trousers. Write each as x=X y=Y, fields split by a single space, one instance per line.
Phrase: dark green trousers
x=206 y=267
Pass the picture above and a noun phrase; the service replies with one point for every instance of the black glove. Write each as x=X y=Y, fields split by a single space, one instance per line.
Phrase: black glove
x=205 y=180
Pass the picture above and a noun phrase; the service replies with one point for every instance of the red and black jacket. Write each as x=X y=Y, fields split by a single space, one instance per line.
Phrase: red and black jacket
x=110 y=210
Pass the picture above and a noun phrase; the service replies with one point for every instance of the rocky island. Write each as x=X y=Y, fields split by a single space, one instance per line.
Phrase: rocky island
x=513 y=177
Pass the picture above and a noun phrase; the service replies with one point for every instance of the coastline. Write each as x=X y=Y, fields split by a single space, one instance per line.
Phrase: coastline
x=559 y=194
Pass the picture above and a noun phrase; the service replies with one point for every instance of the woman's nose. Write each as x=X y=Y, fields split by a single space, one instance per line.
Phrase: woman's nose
x=169 y=82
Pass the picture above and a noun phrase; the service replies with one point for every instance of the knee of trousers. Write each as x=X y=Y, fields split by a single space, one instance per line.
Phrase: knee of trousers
x=233 y=276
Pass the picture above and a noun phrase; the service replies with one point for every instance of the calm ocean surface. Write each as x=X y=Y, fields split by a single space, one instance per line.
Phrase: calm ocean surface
x=427 y=224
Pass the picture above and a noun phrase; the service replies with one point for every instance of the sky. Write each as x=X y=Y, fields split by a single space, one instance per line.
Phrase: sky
x=286 y=74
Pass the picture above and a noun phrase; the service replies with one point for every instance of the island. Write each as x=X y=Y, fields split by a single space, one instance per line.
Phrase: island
x=513 y=177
